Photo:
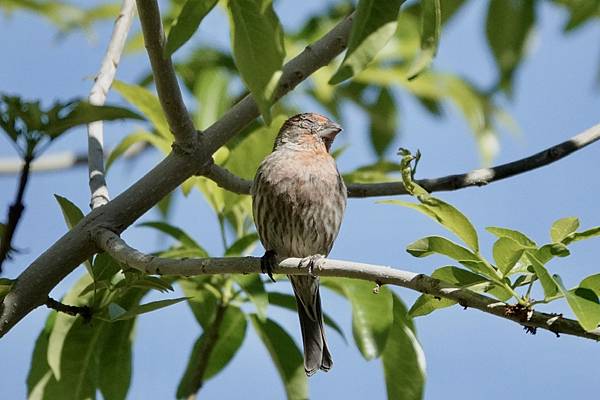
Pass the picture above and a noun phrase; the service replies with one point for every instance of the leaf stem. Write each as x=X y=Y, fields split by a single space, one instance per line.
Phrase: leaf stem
x=210 y=337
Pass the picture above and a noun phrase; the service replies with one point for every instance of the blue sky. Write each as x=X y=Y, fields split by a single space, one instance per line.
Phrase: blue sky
x=469 y=354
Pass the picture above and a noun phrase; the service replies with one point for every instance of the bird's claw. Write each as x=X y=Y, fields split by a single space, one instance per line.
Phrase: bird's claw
x=268 y=262
x=311 y=262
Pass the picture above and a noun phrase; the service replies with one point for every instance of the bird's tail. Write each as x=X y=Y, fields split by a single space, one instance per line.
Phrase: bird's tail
x=308 y=299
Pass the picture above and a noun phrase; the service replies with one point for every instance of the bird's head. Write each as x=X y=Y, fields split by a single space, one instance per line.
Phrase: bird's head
x=308 y=128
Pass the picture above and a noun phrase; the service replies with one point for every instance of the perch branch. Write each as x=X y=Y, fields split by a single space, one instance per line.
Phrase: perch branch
x=478 y=177
x=132 y=258
x=179 y=120
x=102 y=83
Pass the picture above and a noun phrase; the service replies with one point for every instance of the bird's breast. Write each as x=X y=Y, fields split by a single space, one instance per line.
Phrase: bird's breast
x=298 y=204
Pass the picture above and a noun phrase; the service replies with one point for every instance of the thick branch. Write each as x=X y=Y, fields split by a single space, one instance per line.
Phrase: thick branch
x=102 y=83
x=33 y=285
x=179 y=121
x=478 y=177
x=132 y=258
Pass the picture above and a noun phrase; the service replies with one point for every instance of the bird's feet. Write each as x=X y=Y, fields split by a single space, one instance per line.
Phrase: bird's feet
x=268 y=262
x=311 y=262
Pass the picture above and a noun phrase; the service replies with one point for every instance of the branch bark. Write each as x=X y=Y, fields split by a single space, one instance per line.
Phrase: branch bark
x=478 y=177
x=33 y=285
x=381 y=275
x=102 y=84
x=179 y=120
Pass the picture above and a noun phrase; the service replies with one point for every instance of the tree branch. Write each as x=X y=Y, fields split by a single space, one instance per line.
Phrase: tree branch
x=84 y=311
x=179 y=121
x=33 y=285
x=132 y=258
x=102 y=84
x=478 y=177
x=15 y=211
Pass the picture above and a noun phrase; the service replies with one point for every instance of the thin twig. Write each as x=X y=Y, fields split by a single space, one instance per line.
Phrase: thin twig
x=178 y=118
x=102 y=84
x=61 y=160
x=84 y=311
x=478 y=177
x=132 y=258
x=15 y=211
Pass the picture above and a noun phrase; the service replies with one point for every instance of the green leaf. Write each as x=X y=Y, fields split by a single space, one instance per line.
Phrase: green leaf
x=372 y=314
x=431 y=23
x=115 y=359
x=175 y=233
x=62 y=326
x=71 y=212
x=592 y=283
x=511 y=234
x=202 y=301
x=85 y=113
x=187 y=22
x=39 y=371
x=426 y=304
x=446 y=215
x=383 y=121
x=153 y=282
x=258 y=49
x=285 y=355
x=229 y=339
x=403 y=358
x=506 y=254
x=253 y=286
x=148 y=105
x=88 y=356
x=243 y=245
x=548 y=284
x=437 y=244
x=138 y=136
x=587 y=234
x=580 y=12
x=457 y=276
x=563 y=228
x=584 y=303
x=508 y=26
x=210 y=90
x=104 y=267
x=288 y=301
x=148 y=307
x=373 y=26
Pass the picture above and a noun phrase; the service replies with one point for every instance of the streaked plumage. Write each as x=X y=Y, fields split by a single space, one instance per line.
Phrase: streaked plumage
x=299 y=199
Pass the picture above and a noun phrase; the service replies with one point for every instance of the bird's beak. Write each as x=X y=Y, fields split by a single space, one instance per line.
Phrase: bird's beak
x=330 y=132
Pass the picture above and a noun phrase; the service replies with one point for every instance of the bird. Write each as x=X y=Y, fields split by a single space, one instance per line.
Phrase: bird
x=298 y=202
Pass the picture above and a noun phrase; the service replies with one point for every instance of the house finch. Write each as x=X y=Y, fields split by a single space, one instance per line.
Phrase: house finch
x=298 y=200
